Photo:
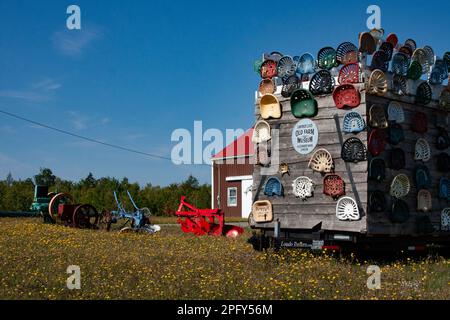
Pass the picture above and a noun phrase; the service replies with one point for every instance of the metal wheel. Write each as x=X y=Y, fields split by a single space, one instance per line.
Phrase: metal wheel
x=60 y=198
x=85 y=217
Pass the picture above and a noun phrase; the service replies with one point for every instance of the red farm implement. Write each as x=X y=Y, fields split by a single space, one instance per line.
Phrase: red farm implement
x=204 y=221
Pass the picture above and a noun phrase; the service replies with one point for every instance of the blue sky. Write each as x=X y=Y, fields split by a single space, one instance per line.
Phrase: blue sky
x=140 y=69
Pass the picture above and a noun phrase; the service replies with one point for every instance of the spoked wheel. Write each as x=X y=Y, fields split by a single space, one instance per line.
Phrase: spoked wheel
x=85 y=217
x=60 y=198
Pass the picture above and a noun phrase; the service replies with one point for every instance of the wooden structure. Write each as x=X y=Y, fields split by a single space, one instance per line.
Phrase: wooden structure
x=231 y=177
x=315 y=218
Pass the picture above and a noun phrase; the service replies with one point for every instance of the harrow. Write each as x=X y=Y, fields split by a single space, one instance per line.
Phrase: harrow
x=137 y=221
x=204 y=221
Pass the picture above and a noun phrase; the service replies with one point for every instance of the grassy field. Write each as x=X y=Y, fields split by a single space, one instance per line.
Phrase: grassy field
x=172 y=265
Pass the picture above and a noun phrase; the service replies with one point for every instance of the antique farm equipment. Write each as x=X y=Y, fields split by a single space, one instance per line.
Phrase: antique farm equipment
x=204 y=221
x=41 y=199
x=135 y=221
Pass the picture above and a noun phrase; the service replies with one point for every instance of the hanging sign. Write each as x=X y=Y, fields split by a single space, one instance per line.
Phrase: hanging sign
x=305 y=136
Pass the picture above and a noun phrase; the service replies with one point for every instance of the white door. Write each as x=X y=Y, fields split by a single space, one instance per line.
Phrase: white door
x=246 y=187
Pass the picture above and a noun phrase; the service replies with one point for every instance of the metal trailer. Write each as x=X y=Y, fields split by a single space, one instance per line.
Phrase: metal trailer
x=312 y=222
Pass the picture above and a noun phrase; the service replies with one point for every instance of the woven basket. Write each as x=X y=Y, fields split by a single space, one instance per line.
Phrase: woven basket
x=262 y=211
x=400 y=186
x=347 y=209
x=303 y=187
x=321 y=161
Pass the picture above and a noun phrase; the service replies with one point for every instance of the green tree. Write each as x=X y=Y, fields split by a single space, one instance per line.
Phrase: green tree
x=45 y=177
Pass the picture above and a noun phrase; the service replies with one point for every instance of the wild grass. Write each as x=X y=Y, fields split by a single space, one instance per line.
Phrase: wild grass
x=172 y=265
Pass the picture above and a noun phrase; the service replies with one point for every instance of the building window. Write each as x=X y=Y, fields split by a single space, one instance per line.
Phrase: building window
x=232 y=197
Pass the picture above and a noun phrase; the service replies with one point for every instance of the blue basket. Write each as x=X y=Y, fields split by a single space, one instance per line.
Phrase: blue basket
x=273 y=187
x=353 y=122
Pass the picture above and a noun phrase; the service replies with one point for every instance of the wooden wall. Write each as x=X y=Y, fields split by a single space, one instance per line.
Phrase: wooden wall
x=230 y=168
x=379 y=223
x=292 y=212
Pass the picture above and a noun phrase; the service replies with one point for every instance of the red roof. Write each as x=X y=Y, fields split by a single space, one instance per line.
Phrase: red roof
x=242 y=146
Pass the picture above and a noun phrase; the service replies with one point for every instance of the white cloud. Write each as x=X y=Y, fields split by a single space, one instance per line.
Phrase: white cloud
x=80 y=121
x=73 y=42
x=40 y=91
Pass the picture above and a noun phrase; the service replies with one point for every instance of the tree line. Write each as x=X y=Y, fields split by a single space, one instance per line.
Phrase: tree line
x=17 y=195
